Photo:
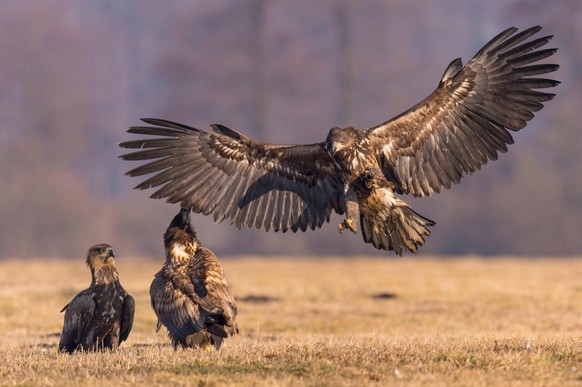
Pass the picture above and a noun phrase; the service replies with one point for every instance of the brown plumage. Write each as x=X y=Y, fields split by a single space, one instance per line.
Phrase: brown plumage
x=464 y=123
x=101 y=316
x=387 y=222
x=190 y=294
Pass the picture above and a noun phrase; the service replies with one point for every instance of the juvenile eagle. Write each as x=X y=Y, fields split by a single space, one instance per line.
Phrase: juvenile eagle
x=190 y=294
x=100 y=316
x=464 y=123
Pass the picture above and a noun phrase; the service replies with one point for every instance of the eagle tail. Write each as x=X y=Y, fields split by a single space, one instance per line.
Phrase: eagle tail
x=216 y=330
x=399 y=228
x=216 y=341
x=410 y=227
x=214 y=323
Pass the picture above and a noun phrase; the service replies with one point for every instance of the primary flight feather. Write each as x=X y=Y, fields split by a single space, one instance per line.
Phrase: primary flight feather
x=464 y=123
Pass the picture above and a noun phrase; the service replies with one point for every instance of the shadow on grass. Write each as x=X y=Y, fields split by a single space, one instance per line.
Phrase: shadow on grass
x=258 y=299
x=384 y=296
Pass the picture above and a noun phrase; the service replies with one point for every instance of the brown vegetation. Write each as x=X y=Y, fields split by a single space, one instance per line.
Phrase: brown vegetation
x=302 y=322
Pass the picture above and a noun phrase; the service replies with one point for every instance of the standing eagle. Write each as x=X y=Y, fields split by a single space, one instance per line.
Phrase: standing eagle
x=464 y=123
x=190 y=294
x=100 y=316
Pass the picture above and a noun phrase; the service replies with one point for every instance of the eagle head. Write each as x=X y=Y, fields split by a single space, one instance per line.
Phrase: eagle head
x=100 y=255
x=180 y=230
x=181 y=220
x=338 y=139
x=101 y=261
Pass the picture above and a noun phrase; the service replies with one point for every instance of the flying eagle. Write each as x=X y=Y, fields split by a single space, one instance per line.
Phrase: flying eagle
x=190 y=294
x=464 y=123
x=101 y=316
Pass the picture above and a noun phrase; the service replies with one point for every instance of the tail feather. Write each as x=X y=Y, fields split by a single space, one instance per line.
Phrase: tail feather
x=216 y=330
x=216 y=341
x=397 y=228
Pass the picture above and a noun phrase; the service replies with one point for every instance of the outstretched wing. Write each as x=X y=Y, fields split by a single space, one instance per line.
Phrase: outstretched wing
x=78 y=314
x=276 y=187
x=466 y=121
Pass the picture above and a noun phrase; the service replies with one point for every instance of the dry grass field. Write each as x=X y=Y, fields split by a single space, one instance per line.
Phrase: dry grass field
x=406 y=321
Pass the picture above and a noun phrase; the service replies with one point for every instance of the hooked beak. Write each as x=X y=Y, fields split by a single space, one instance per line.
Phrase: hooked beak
x=330 y=148
x=185 y=212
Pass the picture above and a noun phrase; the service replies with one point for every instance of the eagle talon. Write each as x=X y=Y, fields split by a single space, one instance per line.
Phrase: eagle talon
x=349 y=224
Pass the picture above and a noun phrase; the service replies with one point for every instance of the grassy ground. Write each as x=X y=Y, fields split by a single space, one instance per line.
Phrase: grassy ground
x=407 y=321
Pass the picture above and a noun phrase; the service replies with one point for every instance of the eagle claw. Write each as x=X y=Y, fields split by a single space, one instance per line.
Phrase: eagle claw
x=349 y=224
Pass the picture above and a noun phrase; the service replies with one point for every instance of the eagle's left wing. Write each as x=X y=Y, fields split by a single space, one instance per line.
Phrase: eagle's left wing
x=212 y=287
x=274 y=187
x=174 y=308
x=466 y=121
x=200 y=313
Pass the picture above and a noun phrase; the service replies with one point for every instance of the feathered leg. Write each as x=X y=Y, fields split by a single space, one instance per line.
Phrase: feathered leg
x=352 y=212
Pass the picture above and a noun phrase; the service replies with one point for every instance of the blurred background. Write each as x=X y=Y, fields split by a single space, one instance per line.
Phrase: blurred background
x=77 y=73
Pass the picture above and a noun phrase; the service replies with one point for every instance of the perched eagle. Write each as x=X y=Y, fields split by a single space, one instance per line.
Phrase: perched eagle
x=190 y=294
x=101 y=316
x=464 y=123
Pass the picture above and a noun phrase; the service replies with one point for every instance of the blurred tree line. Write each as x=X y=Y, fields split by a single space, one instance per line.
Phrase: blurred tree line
x=76 y=74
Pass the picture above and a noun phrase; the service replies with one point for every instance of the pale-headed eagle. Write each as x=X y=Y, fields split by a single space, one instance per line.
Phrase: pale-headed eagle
x=464 y=123
x=101 y=316
x=190 y=294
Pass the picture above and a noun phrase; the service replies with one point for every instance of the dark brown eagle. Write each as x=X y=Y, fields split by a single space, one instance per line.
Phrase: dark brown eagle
x=190 y=294
x=101 y=316
x=464 y=123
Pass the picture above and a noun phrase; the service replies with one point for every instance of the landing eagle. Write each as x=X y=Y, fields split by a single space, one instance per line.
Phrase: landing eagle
x=464 y=123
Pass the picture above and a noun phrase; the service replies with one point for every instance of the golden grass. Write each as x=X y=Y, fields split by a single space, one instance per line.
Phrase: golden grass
x=330 y=322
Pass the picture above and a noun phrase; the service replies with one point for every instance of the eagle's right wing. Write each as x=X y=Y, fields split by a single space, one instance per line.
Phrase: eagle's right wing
x=78 y=314
x=274 y=187
x=127 y=318
x=174 y=309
